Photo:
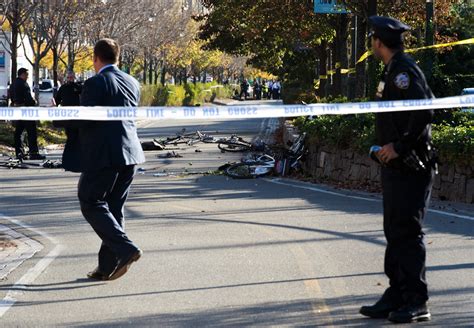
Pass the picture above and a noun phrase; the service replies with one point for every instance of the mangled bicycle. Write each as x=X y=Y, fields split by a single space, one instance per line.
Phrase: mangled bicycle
x=280 y=162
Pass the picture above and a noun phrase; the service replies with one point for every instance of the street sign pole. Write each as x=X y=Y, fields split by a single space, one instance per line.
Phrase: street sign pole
x=372 y=68
x=429 y=37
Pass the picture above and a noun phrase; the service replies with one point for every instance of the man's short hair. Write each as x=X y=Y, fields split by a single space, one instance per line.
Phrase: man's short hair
x=22 y=71
x=107 y=50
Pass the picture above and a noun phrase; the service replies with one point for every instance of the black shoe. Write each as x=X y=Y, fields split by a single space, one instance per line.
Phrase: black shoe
x=37 y=156
x=20 y=156
x=124 y=264
x=96 y=274
x=379 y=310
x=410 y=313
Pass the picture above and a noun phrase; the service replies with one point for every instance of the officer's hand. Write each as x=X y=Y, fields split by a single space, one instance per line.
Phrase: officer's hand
x=387 y=153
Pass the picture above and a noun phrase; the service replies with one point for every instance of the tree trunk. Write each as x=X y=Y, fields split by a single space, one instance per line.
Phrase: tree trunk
x=163 y=74
x=14 y=52
x=150 y=71
x=361 y=48
x=70 y=57
x=340 y=55
x=175 y=76
x=36 y=69
x=352 y=76
x=322 y=51
x=144 y=69
x=185 y=75
x=372 y=70
x=55 y=68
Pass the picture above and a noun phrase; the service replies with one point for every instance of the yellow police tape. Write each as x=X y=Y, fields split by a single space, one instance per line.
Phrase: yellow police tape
x=367 y=54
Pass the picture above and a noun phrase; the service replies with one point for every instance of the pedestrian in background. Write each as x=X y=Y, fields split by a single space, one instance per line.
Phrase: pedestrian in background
x=276 y=87
x=244 y=89
x=20 y=94
x=265 y=89
x=106 y=153
x=70 y=92
x=257 y=88
x=270 y=88
x=407 y=177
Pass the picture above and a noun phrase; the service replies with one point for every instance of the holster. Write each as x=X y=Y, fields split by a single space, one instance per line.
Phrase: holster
x=423 y=159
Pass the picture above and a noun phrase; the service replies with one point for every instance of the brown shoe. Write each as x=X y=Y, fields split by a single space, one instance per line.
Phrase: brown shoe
x=96 y=274
x=124 y=264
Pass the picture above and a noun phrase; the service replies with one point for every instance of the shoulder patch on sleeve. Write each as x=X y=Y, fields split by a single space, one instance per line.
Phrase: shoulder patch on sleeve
x=402 y=80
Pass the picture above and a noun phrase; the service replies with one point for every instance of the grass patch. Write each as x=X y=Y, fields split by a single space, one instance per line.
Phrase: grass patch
x=47 y=134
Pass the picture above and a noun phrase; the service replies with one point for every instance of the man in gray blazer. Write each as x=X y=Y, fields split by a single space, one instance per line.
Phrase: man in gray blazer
x=106 y=152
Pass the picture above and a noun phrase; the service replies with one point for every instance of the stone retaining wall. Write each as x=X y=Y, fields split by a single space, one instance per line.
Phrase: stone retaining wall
x=453 y=183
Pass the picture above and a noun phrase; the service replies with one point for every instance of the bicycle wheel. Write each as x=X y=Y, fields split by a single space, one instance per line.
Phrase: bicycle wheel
x=248 y=171
x=234 y=146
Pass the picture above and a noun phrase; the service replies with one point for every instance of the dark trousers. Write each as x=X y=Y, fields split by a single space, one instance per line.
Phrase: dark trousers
x=30 y=127
x=102 y=196
x=276 y=94
x=405 y=201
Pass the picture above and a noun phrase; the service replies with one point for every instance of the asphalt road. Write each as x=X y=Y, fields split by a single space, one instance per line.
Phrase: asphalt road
x=219 y=252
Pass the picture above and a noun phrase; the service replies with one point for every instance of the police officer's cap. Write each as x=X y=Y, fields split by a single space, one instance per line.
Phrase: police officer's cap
x=388 y=30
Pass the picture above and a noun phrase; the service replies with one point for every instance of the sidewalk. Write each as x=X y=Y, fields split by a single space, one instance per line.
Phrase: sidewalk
x=233 y=102
x=15 y=248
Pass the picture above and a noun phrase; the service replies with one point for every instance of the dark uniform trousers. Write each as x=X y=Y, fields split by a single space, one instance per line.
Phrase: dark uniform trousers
x=30 y=127
x=102 y=195
x=405 y=200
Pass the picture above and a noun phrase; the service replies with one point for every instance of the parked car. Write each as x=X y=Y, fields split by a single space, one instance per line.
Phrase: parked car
x=3 y=96
x=468 y=91
x=46 y=92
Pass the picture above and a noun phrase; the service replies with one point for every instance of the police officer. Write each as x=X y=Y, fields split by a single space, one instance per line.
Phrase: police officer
x=21 y=96
x=70 y=92
x=407 y=177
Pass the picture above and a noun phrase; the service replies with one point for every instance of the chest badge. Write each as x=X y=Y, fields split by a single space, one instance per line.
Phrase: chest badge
x=402 y=81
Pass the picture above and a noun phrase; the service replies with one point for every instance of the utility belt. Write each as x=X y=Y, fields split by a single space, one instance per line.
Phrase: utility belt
x=424 y=159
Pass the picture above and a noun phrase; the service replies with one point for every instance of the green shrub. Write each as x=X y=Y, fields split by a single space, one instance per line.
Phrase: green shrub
x=454 y=138
x=341 y=131
x=47 y=134
x=455 y=142
x=6 y=133
x=148 y=95
x=189 y=94
x=195 y=94
x=175 y=95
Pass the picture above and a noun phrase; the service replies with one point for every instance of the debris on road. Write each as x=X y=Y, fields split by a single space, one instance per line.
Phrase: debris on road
x=152 y=145
x=172 y=154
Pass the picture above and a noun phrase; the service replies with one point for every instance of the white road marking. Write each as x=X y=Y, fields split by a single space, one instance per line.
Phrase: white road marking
x=20 y=286
x=278 y=181
x=263 y=125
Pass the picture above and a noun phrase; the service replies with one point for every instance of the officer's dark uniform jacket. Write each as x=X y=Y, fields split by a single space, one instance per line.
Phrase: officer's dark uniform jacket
x=409 y=131
x=69 y=94
x=21 y=93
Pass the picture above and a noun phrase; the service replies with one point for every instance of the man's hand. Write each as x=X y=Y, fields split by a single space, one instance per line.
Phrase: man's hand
x=387 y=153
